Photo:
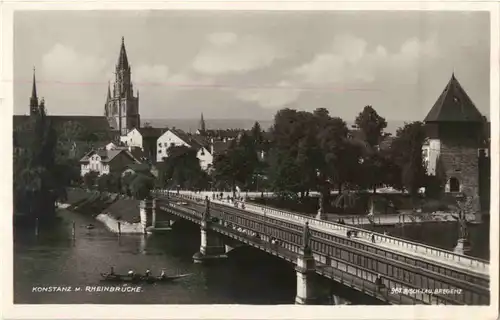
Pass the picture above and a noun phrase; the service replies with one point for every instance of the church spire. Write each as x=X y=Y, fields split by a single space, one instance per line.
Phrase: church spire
x=122 y=59
x=34 y=97
x=202 y=123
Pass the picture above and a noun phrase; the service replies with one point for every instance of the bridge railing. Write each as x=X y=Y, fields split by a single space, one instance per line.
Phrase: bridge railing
x=380 y=238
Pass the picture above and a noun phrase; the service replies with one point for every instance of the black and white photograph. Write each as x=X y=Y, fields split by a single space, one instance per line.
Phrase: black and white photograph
x=252 y=157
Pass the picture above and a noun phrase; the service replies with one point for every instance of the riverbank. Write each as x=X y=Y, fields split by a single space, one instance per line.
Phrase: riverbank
x=119 y=226
x=118 y=213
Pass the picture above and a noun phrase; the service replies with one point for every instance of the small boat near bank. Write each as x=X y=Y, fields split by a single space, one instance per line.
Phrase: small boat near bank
x=108 y=277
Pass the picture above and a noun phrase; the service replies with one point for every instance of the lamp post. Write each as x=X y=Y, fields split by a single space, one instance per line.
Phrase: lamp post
x=463 y=244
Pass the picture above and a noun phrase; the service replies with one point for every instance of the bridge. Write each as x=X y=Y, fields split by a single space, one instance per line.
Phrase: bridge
x=390 y=269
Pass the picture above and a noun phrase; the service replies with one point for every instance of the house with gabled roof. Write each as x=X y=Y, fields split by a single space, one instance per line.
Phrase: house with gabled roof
x=106 y=161
x=144 y=138
x=176 y=137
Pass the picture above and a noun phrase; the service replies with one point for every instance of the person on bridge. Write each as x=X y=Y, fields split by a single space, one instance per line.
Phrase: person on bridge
x=378 y=282
x=373 y=238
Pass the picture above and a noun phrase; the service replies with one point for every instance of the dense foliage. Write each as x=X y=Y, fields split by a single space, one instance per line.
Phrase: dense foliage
x=41 y=172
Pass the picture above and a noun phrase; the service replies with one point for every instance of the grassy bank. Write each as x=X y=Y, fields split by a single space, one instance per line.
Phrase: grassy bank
x=93 y=203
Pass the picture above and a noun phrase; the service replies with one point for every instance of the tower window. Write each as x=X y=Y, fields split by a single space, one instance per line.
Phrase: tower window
x=454 y=185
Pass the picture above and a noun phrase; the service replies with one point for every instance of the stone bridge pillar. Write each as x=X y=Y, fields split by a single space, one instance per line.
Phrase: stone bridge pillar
x=146 y=209
x=212 y=246
x=306 y=286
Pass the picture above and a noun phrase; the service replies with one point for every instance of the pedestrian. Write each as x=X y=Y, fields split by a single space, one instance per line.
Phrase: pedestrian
x=348 y=233
x=378 y=282
x=373 y=238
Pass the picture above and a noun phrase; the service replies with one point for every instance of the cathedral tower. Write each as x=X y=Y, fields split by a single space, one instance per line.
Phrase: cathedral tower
x=121 y=107
x=455 y=130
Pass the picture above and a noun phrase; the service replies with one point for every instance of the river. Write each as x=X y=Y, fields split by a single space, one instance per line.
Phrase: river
x=54 y=258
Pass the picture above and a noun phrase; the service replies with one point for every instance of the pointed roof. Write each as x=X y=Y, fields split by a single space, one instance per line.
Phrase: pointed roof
x=202 y=123
x=122 y=59
x=454 y=105
x=33 y=90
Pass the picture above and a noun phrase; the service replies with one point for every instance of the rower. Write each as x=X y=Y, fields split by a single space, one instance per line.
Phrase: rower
x=131 y=272
x=112 y=271
x=163 y=275
x=148 y=273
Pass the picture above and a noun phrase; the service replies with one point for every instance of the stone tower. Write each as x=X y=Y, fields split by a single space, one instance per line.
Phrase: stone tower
x=34 y=97
x=455 y=130
x=121 y=107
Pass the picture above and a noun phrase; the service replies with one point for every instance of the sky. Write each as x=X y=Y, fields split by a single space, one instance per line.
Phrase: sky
x=249 y=64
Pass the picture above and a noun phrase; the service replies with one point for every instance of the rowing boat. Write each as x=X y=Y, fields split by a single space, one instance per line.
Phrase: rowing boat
x=107 y=277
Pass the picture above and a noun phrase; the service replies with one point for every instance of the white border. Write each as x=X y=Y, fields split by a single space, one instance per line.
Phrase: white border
x=235 y=311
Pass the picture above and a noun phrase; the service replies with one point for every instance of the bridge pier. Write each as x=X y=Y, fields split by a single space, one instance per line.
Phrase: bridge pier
x=211 y=246
x=147 y=212
x=307 y=291
x=306 y=288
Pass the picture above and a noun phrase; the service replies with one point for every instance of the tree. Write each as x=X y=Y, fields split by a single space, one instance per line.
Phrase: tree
x=406 y=152
x=257 y=135
x=37 y=185
x=371 y=124
x=141 y=186
x=103 y=182
x=90 y=179
x=282 y=172
x=182 y=168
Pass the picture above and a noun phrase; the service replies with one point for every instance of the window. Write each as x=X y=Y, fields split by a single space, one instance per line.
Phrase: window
x=159 y=150
x=159 y=144
x=454 y=185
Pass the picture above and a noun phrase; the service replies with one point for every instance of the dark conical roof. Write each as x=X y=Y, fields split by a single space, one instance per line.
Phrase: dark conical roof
x=454 y=105
x=122 y=59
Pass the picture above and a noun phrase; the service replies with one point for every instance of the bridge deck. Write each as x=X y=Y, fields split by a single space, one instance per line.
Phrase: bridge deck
x=350 y=262
x=415 y=251
x=348 y=275
x=392 y=246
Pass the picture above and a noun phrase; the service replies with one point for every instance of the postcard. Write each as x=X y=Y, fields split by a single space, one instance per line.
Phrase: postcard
x=251 y=160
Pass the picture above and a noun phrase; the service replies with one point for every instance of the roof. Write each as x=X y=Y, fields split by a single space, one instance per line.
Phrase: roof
x=139 y=167
x=194 y=143
x=106 y=155
x=91 y=123
x=220 y=146
x=150 y=132
x=454 y=105
x=228 y=133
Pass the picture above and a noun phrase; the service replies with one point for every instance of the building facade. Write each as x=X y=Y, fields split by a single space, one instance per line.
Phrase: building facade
x=106 y=161
x=122 y=107
x=175 y=137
